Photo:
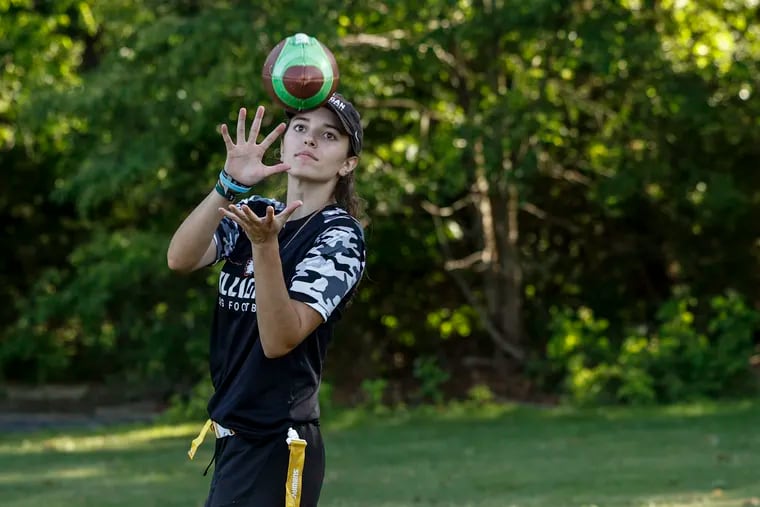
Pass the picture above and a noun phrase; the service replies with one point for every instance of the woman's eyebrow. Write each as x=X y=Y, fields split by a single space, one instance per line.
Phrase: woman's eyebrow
x=328 y=125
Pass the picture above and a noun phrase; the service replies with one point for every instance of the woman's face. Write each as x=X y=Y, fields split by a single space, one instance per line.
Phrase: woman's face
x=315 y=147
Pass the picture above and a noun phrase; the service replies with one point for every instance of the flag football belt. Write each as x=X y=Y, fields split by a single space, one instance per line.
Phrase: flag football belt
x=296 y=458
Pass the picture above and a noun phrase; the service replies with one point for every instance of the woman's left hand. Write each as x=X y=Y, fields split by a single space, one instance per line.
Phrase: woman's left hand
x=260 y=230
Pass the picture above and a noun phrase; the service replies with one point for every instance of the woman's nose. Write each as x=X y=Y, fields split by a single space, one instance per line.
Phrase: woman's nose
x=309 y=140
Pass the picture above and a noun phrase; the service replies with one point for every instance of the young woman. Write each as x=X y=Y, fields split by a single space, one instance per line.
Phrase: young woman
x=289 y=270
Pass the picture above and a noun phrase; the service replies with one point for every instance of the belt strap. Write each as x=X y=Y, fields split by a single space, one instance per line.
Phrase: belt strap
x=219 y=430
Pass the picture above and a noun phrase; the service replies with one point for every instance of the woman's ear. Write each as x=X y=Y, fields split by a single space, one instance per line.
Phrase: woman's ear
x=348 y=166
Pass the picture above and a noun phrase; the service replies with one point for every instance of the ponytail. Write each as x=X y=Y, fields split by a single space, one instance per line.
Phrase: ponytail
x=346 y=196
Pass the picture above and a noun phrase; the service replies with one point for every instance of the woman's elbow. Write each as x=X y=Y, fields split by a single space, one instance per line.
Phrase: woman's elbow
x=275 y=350
x=177 y=264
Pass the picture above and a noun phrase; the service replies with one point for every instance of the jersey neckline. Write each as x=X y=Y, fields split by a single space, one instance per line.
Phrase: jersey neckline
x=297 y=222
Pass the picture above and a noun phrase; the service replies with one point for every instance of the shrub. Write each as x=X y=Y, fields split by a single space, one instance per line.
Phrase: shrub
x=684 y=357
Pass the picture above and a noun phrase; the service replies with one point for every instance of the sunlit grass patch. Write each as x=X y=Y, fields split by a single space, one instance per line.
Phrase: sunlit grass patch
x=102 y=439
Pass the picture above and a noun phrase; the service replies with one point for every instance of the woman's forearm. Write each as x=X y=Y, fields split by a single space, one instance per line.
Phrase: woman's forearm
x=283 y=323
x=192 y=239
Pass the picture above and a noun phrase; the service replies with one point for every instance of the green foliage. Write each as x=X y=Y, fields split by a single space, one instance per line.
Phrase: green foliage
x=189 y=406
x=373 y=390
x=431 y=378
x=41 y=50
x=612 y=143
x=694 y=352
x=480 y=395
x=76 y=322
x=457 y=322
x=326 y=399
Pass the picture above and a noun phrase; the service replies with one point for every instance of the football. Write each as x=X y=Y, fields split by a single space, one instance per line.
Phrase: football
x=300 y=73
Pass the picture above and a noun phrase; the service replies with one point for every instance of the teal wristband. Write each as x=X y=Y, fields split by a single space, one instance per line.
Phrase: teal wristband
x=223 y=192
x=232 y=184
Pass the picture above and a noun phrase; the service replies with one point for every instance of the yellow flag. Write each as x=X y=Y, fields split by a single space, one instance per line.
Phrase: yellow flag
x=296 y=459
x=197 y=441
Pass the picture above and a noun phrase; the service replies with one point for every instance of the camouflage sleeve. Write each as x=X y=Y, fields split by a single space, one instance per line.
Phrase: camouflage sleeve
x=225 y=237
x=331 y=268
x=228 y=232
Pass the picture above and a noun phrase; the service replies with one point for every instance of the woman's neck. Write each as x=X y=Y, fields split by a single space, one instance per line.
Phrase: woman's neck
x=314 y=198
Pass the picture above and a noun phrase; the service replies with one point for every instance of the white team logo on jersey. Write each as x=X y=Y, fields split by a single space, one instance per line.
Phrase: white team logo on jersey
x=248 y=271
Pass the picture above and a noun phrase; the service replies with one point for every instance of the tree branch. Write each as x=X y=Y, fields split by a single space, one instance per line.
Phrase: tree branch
x=557 y=170
x=449 y=59
x=543 y=215
x=389 y=41
x=465 y=262
x=448 y=210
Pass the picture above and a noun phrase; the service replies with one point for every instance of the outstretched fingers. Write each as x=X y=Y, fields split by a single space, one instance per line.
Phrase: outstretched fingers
x=249 y=214
x=241 y=126
x=240 y=214
x=256 y=124
x=232 y=212
x=226 y=136
x=264 y=229
x=272 y=136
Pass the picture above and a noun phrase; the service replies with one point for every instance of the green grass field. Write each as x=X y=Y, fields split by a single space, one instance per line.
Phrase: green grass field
x=700 y=455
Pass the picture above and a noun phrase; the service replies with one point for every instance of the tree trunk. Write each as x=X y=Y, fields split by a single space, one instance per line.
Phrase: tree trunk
x=497 y=207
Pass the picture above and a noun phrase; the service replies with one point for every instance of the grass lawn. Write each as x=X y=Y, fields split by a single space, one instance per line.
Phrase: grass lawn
x=696 y=455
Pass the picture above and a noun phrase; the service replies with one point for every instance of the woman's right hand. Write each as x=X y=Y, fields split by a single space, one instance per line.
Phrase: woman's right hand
x=245 y=156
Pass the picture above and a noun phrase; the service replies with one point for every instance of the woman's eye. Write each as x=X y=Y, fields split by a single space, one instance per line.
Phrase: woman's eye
x=299 y=128
x=330 y=135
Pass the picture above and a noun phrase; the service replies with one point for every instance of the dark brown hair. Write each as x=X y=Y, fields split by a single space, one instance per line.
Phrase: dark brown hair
x=346 y=196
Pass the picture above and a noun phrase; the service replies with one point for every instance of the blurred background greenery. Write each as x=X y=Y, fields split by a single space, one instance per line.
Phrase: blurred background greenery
x=562 y=195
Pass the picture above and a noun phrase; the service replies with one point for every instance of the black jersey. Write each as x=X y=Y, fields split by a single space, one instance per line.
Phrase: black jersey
x=323 y=258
